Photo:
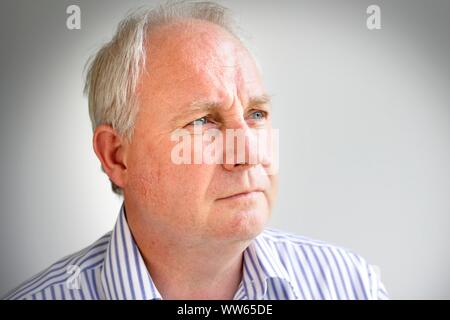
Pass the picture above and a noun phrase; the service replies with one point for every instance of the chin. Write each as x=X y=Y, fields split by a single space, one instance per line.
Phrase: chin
x=243 y=225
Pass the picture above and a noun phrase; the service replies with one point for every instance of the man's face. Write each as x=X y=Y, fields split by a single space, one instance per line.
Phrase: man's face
x=188 y=63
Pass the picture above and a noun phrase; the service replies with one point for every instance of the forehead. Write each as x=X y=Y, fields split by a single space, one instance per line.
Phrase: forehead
x=197 y=60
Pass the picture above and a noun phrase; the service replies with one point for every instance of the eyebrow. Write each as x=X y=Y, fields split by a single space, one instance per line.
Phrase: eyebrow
x=211 y=106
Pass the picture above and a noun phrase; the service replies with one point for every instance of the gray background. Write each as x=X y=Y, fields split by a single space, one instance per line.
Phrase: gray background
x=364 y=121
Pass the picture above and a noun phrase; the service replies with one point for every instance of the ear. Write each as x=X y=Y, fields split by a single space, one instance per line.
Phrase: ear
x=110 y=149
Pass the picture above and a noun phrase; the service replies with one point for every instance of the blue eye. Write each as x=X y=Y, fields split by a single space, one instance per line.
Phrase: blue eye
x=200 y=121
x=258 y=115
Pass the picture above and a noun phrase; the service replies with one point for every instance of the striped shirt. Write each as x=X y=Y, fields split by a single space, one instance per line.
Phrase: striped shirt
x=276 y=265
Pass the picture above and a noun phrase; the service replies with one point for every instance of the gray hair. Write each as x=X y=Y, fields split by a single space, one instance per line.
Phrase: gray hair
x=113 y=72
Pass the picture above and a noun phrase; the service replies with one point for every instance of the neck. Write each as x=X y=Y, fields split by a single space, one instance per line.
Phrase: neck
x=195 y=276
x=180 y=270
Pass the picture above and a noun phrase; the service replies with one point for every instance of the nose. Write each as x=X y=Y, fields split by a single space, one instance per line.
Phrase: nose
x=241 y=148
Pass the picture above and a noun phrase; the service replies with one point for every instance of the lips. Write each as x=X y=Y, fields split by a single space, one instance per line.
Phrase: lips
x=243 y=195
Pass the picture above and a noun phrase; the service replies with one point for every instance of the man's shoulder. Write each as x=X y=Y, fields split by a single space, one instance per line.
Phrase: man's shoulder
x=282 y=242
x=334 y=271
x=58 y=277
x=277 y=237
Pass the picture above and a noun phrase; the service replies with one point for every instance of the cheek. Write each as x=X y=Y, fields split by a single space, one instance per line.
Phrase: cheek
x=143 y=184
x=187 y=183
x=145 y=169
x=163 y=185
x=176 y=195
x=160 y=185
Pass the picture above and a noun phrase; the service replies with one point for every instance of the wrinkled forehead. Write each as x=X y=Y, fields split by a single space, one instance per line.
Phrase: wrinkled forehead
x=198 y=60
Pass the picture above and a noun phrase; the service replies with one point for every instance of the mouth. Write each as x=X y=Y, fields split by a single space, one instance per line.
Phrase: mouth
x=243 y=195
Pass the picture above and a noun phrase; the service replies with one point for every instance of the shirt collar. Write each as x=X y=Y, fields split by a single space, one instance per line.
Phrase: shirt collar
x=125 y=275
x=261 y=264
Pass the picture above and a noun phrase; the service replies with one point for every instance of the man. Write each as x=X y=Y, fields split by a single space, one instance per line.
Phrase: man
x=190 y=230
